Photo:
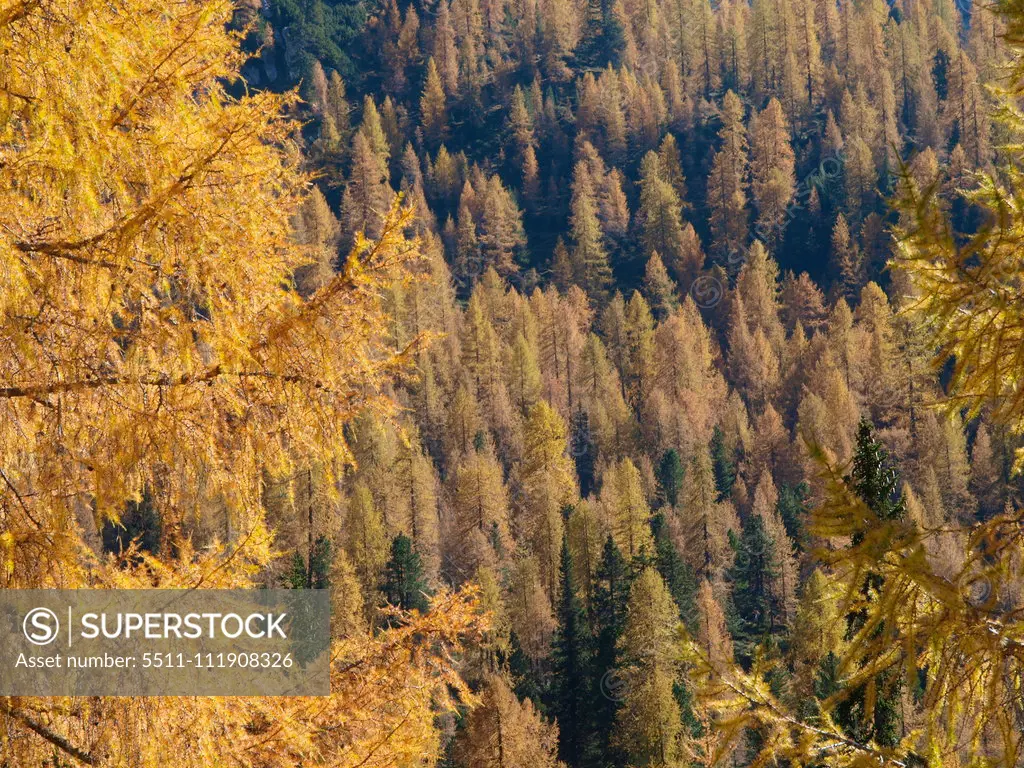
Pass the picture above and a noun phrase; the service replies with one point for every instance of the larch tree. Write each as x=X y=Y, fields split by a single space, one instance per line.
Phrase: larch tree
x=801 y=301
x=860 y=178
x=504 y=732
x=583 y=529
x=529 y=609
x=154 y=333
x=772 y=165
x=520 y=123
x=764 y=64
x=625 y=507
x=548 y=481
x=481 y=353
x=207 y=366
x=986 y=475
x=732 y=43
x=368 y=193
x=366 y=539
x=501 y=232
x=660 y=289
x=691 y=258
x=758 y=287
x=818 y=625
x=965 y=109
x=317 y=228
x=727 y=182
x=659 y=217
x=877 y=369
x=545 y=456
x=372 y=129
x=433 y=113
x=444 y=50
x=639 y=371
x=649 y=726
x=847 y=260
x=417 y=502
x=705 y=521
x=753 y=364
x=670 y=165
x=480 y=501
x=713 y=647
x=590 y=259
x=812 y=70
x=337 y=106
x=523 y=374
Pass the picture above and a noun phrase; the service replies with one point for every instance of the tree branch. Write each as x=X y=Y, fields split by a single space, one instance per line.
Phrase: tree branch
x=56 y=739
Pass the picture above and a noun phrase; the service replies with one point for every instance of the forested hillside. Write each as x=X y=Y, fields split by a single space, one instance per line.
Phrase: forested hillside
x=657 y=237
x=643 y=378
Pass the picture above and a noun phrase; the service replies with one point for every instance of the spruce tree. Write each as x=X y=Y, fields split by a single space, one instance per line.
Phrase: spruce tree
x=757 y=609
x=295 y=576
x=670 y=476
x=584 y=450
x=571 y=661
x=723 y=465
x=404 y=584
x=311 y=573
x=676 y=572
x=877 y=483
x=603 y=36
x=793 y=509
x=611 y=595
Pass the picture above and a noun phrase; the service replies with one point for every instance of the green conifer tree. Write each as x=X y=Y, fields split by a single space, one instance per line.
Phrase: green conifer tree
x=676 y=572
x=670 y=476
x=757 y=611
x=722 y=463
x=611 y=596
x=872 y=711
x=404 y=584
x=571 y=661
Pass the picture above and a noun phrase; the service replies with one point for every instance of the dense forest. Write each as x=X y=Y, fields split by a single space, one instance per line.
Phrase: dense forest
x=643 y=379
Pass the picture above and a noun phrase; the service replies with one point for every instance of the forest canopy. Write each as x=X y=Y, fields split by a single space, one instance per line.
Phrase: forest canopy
x=642 y=379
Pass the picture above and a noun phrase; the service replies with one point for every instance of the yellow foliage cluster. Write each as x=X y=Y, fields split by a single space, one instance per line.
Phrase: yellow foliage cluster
x=956 y=635
x=952 y=634
x=151 y=334
x=152 y=341
x=387 y=692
